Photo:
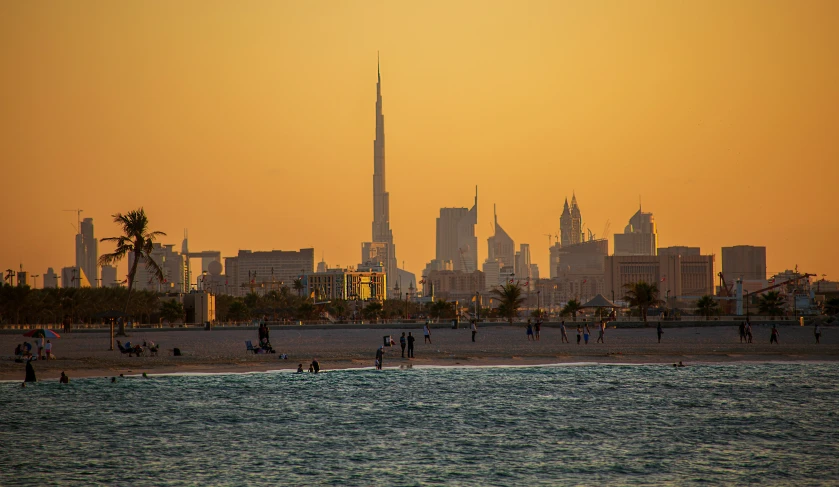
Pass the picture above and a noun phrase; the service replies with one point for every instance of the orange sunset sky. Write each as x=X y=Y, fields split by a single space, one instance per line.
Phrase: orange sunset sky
x=252 y=123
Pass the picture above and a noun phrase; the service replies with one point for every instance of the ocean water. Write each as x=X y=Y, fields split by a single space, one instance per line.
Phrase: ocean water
x=773 y=424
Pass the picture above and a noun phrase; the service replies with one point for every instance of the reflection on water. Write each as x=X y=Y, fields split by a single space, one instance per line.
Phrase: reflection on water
x=768 y=423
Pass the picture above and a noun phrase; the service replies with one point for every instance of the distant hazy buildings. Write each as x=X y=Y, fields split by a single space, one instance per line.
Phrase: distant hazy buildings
x=266 y=270
x=87 y=253
x=639 y=237
x=571 y=223
x=50 y=278
x=678 y=250
x=73 y=277
x=745 y=262
x=678 y=277
x=171 y=262
x=381 y=249
x=456 y=285
x=109 y=276
x=22 y=278
x=501 y=252
x=522 y=261
x=456 y=240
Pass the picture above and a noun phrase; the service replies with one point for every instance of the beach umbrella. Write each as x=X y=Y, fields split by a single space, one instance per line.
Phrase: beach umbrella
x=600 y=302
x=42 y=333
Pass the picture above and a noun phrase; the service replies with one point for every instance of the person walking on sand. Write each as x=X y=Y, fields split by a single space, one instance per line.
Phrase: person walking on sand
x=774 y=337
x=586 y=333
x=474 y=329
x=660 y=331
x=563 y=332
x=410 y=345
x=427 y=332
x=601 y=332
x=579 y=334
x=402 y=342
x=817 y=331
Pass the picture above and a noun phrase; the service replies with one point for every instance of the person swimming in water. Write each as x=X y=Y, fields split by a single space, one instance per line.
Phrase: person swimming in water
x=299 y=368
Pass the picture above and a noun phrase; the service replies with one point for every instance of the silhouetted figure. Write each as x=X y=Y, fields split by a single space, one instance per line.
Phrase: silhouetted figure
x=380 y=355
x=402 y=342
x=64 y=379
x=817 y=331
x=742 y=332
x=410 y=345
x=474 y=329
x=774 y=337
x=563 y=332
x=30 y=372
x=315 y=366
x=660 y=331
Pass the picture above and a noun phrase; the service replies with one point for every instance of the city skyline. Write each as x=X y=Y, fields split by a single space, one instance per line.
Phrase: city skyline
x=260 y=148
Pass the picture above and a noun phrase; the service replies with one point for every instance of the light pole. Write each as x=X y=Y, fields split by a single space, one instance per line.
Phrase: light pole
x=35 y=280
x=477 y=306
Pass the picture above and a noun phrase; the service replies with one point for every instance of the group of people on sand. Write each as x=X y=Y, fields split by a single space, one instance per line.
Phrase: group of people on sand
x=43 y=351
x=265 y=339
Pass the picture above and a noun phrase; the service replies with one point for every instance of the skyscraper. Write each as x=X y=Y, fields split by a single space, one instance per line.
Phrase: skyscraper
x=639 y=237
x=87 y=252
x=382 y=234
x=456 y=240
x=745 y=262
x=571 y=223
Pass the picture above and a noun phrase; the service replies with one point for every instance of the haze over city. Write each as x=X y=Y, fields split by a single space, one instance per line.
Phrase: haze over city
x=252 y=125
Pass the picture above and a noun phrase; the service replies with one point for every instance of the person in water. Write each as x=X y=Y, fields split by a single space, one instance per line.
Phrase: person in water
x=314 y=366
x=64 y=379
x=299 y=368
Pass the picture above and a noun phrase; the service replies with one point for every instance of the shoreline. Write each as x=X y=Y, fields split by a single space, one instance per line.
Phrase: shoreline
x=87 y=354
x=286 y=366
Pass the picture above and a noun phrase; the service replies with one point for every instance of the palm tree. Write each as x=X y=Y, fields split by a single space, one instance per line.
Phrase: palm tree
x=831 y=306
x=172 y=310
x=510 y=299
x=136 y=239
x=771 y=303
x=572 y=308
x=372 y=310
x=707 y=306
x=298 y=286
x=642 y=295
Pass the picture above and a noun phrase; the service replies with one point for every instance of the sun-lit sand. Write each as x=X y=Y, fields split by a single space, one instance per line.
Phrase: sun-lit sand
x=223 y=350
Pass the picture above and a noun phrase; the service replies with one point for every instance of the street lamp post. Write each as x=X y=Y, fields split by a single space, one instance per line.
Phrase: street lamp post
x=477 y=306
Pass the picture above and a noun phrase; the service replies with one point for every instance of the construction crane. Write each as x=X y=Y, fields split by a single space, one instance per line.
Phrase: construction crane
x=606 y=228
x=78 y=219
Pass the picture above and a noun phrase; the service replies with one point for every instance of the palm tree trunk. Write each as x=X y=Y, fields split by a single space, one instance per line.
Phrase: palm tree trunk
x=131 y=273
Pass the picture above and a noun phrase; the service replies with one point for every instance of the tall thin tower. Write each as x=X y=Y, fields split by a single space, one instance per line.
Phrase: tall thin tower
x=381 y=250
x=381 y=198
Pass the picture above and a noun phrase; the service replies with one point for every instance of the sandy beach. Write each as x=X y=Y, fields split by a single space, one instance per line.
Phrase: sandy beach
x=86 y=354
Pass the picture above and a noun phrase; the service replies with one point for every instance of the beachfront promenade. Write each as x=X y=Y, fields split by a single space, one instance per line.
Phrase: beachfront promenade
x=85 y=352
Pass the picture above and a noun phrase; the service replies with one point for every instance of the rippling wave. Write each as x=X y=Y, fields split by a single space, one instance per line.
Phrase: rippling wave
x=720 y=424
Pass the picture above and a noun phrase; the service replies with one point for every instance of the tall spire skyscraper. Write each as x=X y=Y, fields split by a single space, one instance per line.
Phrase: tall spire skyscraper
x=381 y=198
x=381 y=250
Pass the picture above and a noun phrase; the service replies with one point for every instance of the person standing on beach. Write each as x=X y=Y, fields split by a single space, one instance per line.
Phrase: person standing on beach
x=410 y=345
x=380 y=355
x=602 y=331
x=579 y=334
x=817 y=331
x=660 y=331
x=742 y=332
x=402 y=342
x=39 y=346
x=586 y=333
x=529 y=330
x=564 y=338
x=538 y=328
x=774 y=337
x=748 y=332
x=427 y=332
x=474 y=329
x=48 y=349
